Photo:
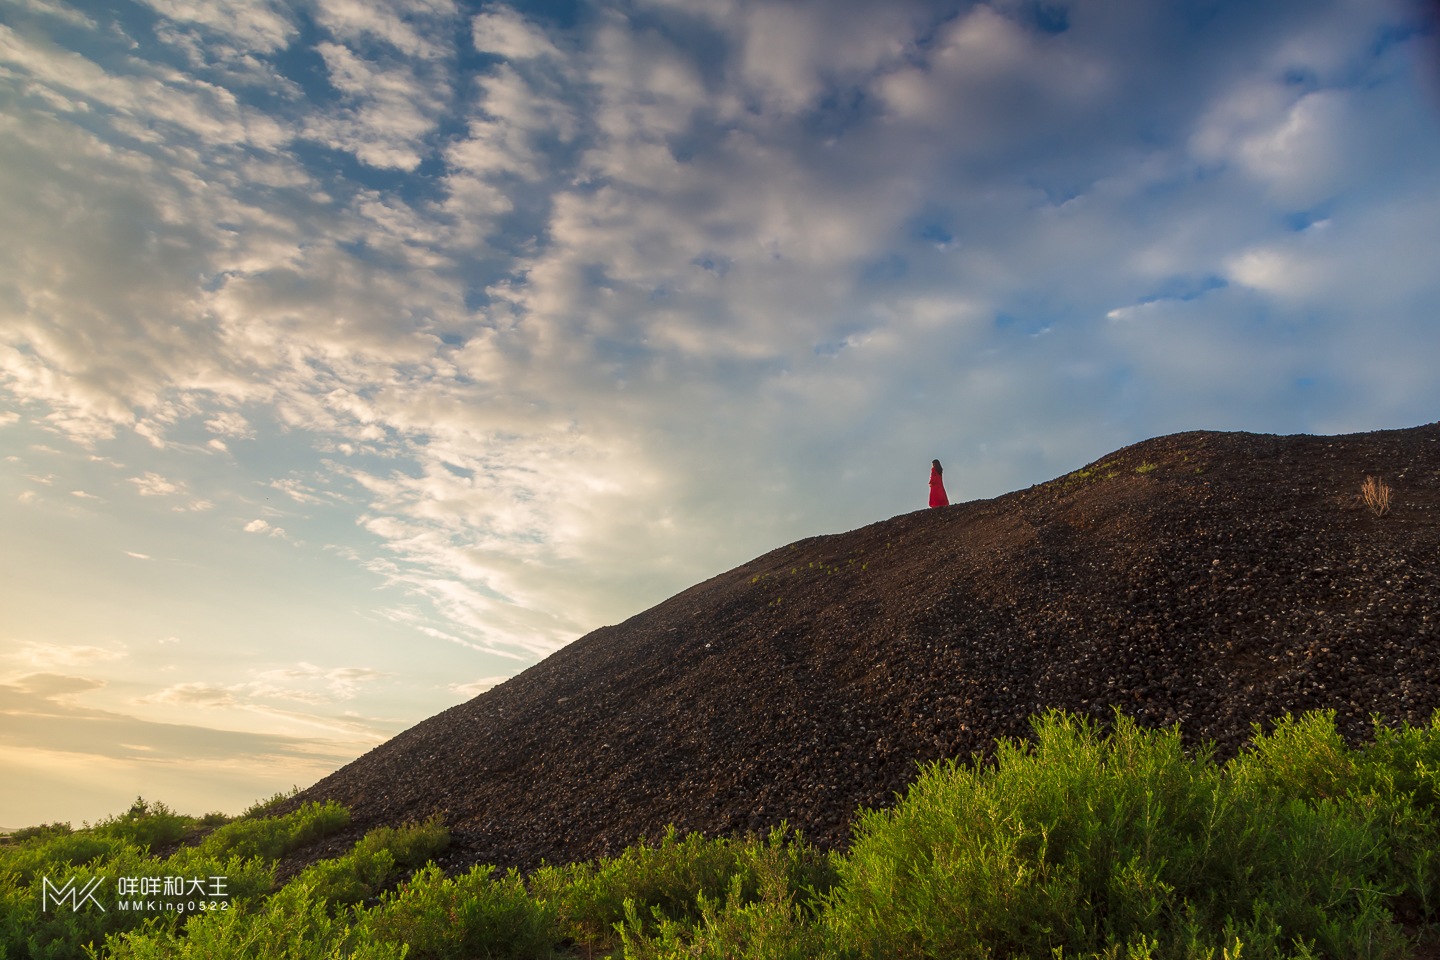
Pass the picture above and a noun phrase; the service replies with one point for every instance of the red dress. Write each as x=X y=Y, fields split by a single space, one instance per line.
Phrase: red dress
x=937 y=490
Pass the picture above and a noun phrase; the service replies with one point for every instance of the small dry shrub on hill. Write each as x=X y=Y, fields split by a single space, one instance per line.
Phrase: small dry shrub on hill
x=1376 y=496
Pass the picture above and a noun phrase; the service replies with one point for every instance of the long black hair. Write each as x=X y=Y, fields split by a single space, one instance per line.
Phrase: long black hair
x=938 y=469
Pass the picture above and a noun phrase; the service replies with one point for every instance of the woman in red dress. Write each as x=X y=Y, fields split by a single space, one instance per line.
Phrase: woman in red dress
x=937 y=486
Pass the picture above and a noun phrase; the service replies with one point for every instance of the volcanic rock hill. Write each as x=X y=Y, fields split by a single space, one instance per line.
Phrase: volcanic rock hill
x=1207 y=579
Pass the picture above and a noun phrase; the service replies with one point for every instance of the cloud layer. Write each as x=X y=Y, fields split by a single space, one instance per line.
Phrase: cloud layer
x=536 y=322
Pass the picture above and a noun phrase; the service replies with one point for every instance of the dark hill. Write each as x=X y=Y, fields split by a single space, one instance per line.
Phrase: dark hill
x=1209 y=579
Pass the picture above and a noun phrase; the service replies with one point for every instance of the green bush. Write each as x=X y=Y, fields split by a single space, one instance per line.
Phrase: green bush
x=273 y=837
x=1401 y=768
x=114 y=848
x=261 y=808
x=1404 y=760
x=1084 y=844
x=1304 y=759
x=469 y=916
x=413 y=844
x=291 y=925
x=245 y=878
x=374 y=861
x=26 y=931
x=1393 y=779
x=664 y=879
x=766 y=913
x=61 y=933
x=670 y=887
x=43 y=831
x=145 y=824
x=357 y=876
x=57 y=854
x=17 y=910
x=301 y=920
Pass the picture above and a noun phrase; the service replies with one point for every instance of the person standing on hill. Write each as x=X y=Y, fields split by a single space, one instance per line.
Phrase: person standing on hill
x=937 y=486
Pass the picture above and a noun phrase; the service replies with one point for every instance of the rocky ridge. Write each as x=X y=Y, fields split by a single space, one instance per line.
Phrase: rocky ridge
x=1212 y=580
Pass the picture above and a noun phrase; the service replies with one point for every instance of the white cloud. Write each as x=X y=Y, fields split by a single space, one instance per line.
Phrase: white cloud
x=75 y=762
x=1300 y=145
x=305 y=684
x=154 y=485
x=297 y=491
x=413 y=27
x=194 y=695
x=792 y=53
x=228 y=423
x=56 y=655
x=59 y=11
x=341 y=683
x=44 y=354
x=506 y=141
x=394 y=108
x=504 y=32
x=54 y=686
x=263 y=526
x=257 y=26
x=68 y=729
x=197 y=108
x=986 y=82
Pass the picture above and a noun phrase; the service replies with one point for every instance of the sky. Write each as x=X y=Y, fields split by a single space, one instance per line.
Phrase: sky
x=356 y=355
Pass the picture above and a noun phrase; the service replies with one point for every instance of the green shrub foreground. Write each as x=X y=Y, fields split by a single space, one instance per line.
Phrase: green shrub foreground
x=1076 y=844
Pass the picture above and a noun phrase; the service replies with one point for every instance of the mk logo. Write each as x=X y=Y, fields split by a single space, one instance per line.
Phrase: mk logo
x=76 y=895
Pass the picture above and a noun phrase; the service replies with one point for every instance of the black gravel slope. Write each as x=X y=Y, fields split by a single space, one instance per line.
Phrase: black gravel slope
x=1206 y=579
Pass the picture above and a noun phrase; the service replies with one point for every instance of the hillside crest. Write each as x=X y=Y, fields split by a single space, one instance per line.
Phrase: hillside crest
x=1212 y=580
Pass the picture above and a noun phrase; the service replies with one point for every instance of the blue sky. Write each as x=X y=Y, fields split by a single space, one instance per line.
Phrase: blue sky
x=355 y=356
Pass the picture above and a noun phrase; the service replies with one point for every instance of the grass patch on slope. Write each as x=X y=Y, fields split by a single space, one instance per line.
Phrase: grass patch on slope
x=1077 y=844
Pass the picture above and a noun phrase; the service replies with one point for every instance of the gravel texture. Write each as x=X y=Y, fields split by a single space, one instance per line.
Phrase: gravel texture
x=1214 y=580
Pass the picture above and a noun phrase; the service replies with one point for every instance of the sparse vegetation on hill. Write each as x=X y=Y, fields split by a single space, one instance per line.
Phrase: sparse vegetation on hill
x=1073 y=844
x=1376 y=496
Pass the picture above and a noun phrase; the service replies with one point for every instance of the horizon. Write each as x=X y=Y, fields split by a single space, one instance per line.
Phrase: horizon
x=354 y=359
